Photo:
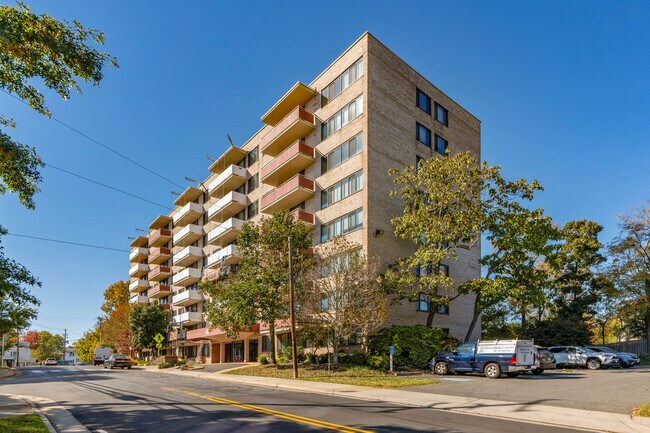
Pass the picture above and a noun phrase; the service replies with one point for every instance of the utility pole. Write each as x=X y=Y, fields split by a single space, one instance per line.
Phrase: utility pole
x=2 y=354
x=292 y=306
x=65 y=343
x=17 y=347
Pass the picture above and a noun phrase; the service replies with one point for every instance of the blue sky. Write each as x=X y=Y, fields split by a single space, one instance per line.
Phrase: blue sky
x=562 y=90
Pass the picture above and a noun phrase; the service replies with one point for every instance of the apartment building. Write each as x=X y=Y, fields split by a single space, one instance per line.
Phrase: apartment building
x=323 y=153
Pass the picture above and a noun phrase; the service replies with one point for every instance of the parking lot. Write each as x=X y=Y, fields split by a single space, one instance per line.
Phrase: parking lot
x=611 y=390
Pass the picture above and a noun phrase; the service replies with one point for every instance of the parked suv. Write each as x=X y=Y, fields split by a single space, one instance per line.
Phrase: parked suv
x=583 y=357
x=626 y=359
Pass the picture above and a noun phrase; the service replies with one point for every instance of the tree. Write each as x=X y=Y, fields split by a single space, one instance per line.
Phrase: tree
x=259 y=291
x=85 y=346
x=58 y=53
x=31 y=337
x=347 y=296
x=147 y=320
x=630 y=263
x=115 y=295
x=49 y=345
x=116 y=331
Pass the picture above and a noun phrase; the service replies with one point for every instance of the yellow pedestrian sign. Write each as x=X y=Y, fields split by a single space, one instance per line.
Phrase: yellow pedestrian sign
x=158 y=339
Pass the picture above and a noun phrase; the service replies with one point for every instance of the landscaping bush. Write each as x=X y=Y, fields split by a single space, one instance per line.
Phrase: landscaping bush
x=180 y=362
x=356 y=358
x=311 y=358
x=379 y=362
x=321 y=359
x=164 y=365
x=286 y=354
x=414 y=346
x=262 y=359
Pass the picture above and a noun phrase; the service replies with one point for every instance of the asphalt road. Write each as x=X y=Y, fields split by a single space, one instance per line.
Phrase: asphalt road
x=612 y=390
x=137 y=401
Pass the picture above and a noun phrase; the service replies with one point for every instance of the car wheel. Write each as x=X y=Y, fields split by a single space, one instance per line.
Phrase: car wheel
x=492 y=370
x=128 y=368
x=111 y=367
x=593 y=363
x=441 y=368
x=538 y=371
x=624 y=365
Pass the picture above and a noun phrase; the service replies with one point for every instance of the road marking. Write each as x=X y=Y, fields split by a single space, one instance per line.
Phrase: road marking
x=288 y=416
x=454 y=379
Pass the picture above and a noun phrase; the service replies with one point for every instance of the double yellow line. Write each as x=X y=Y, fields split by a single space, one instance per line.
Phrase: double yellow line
x=290 y=417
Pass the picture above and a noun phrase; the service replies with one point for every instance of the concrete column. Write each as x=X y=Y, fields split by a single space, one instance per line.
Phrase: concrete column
x=245 y=349
x=222 y=352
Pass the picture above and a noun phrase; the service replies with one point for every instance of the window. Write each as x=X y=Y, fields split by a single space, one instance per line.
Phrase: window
x=441 y=114
x=423 y=134
x=418 y=158
x=341 y=225
x=444 y=270
x=253 y=209
x=342 y=117
x=423 y=101
x=253 y=182
x=441 y=145
x=342 y=82
x=325 y=303
x=266 y=343
x=442 y=309
x=342 y=189
x=205 y=350
x=423 y=303
x=253 y=156
x=465 y=349
x=342 y=153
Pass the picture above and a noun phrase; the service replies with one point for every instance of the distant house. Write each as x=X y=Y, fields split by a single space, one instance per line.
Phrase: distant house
x=23 y=353
x=70 y=356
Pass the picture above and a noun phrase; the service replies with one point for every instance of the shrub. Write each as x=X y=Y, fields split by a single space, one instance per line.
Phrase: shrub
x=286 y=354
x=180 y=362
x=356 y=358
x=414 y=345
x=379 y=362
x=322 y=358
x=311 y=358
x=262 y=359
x=164 y=365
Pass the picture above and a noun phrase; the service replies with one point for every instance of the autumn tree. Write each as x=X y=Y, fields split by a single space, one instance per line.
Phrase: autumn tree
x=85 y=346
x=147 y=320
x=49 y=345
x=115 y=295
x=31 y=337
x=347 y=296
x=259 y=291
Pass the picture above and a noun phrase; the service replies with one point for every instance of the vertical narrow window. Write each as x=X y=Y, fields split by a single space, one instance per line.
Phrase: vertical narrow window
x=423 y=101
x=253 y=182
x=441 y=114
x=423 y=303
x=253 y=209
x=423 y=134
x=441 y=145
x=253 y=156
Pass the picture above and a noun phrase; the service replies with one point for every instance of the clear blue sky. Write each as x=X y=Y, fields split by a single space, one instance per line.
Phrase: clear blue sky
x=562 y=90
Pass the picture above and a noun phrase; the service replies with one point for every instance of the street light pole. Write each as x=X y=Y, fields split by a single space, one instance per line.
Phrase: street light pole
x=292 y=306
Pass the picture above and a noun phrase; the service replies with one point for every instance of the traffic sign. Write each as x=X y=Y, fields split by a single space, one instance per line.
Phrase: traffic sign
x=158 y=338
x=159 y=345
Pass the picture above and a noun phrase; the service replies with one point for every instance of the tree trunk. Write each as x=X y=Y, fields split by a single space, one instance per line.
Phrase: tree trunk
x=335 y=347
x=603 y=331
x=647 y=314
x=272 y=335
x=475 y=317
x=523 y=321
x=430 y=315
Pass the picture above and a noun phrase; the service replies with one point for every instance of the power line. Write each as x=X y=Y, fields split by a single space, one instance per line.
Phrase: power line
x=106 y=186
x=100 y=144
x=69 y=243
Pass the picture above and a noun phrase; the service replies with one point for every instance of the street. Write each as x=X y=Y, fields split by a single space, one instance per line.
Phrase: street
x=137 y=401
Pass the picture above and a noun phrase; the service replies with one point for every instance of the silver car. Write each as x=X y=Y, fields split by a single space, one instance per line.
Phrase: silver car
x=583 y=357
x=626 y=359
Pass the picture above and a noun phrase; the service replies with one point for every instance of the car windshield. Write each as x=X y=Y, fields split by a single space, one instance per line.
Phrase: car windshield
x=464 y=348
x=119 y=356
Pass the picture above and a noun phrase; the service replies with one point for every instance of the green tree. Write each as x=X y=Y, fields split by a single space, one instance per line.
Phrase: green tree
x=49 y=346
x=259 y=291
x=59 y=54
x=347 y=296
x=115 y=295
x=85 y=346
x=147 y=320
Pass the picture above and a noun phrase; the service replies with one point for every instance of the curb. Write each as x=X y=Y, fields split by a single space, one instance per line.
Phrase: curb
x=57 y=419
x=520 y=412
x=12 y=372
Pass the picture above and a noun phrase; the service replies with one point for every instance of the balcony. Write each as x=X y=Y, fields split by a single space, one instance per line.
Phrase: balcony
x=189 y=195
x=294 y=126
x=186 y=277
x=231 y=156
x=138 y=285
x=188 y=235
x=226 y=232
x=229 y=205
x=159 y=273
x=220 y=273
x=140 y=241
x=288 y=163
x=229 y=180
x=139 y=299
x=288 y=195
x=304 y=216
x=225 y=256
x=161 y=222
x=188 y=318
x=187 y=256
x=138 y=255
x=186 y=298
x=158 y=291
x=159 y=237
x=138 y=270
x=167 y=307
x=159 y=255
x=187 y=214
x=298 y=95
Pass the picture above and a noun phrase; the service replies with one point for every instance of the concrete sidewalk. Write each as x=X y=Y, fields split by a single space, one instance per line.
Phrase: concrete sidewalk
x=535 y=413
x=55 y=417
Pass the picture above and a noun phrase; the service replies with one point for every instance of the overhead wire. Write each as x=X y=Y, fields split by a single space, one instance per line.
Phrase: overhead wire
x=68 y=242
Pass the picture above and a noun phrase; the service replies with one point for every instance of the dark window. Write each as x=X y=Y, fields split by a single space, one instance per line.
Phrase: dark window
x=253 y=182
x=441 y=145
x=266 y=343
x=253 y=156
x=441 y=114
x=423 y=101
x=444 y=270
x=253 y=209
x=442 y=309
x=423 y=134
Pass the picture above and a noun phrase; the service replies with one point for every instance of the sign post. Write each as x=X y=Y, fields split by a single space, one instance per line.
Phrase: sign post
x=391 y=351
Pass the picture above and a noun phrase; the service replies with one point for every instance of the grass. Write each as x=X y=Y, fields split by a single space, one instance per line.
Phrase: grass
x=643 y=410
x=346 y=375
x=23 y=424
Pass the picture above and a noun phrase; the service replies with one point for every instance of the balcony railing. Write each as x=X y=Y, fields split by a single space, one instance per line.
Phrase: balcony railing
x=188 y=235
x=229 y=205
x=138 y=285
x=295 y=125
x=288 y=195
x=225 y=232
x=159 y=273
x=187 y=256
x=159 y=255
x=188 y=318
x=229 y=180
x=187 y=214
x=186 y=277
x=139 y=299
x=159 y=237
x=158 y=291
x=138 y=270
x=304 y=216
x=289 y=162
x=188 y=297
x=138 y=255
x=226 y=256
